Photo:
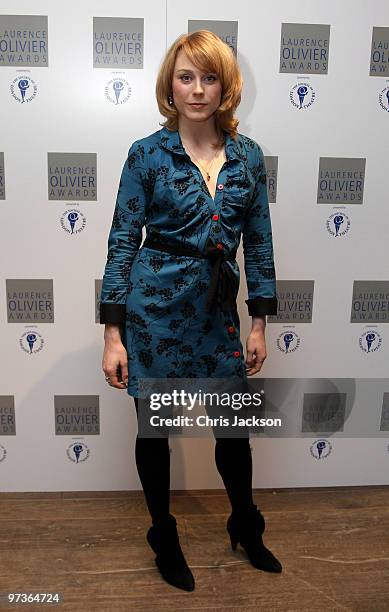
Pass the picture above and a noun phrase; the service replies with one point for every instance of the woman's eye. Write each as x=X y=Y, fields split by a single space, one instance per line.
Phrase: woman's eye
x=187 y=77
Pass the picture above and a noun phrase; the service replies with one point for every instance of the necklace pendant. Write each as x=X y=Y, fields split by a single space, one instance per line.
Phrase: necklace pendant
x=208 y=177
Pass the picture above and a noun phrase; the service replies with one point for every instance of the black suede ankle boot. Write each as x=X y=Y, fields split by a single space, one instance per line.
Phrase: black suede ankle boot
x=163 y=539
x=246 y=529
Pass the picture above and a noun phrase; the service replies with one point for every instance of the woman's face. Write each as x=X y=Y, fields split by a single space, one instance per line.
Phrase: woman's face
x=190 y=85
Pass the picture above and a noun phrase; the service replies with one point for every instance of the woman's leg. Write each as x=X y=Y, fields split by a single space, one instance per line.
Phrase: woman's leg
x=246 y=523
x=234 y=463
x=152 y=457
x=153 y=463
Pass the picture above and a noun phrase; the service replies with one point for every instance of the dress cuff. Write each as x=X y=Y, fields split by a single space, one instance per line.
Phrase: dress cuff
x=261 y=306
x=112 y=313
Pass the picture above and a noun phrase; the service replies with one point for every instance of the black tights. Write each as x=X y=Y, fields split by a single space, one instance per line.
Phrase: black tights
x=233 y=461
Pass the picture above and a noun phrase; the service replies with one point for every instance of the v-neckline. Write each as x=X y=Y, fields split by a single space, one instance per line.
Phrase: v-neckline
x=213 y=198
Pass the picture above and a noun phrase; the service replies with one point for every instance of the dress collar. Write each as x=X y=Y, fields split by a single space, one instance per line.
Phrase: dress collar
x=171 y=140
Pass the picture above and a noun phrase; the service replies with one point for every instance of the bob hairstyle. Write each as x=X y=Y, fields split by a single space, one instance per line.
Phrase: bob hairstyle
x=210 y=54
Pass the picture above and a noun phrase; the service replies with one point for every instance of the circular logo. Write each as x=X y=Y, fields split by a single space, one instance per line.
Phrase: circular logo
x=23 y=89
x=118 y=91
x=73 y=221
x=78 y=452
x=320 y=449
x=370 y=341
x=288 y=342
x=302 y=95
x=31 y=342
x=383 y=99
x=338 y=224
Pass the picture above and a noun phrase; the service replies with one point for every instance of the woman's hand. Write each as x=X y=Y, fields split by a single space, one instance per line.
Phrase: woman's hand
x=114 y=358
x=256 y=346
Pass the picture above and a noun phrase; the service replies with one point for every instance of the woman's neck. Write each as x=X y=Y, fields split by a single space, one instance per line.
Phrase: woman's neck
x=199 y=134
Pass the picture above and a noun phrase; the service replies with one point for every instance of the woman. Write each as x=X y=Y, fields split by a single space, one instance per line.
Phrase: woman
x=169 y=307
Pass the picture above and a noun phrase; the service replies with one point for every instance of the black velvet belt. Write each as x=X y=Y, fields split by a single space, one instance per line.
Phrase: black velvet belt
x=223 y=286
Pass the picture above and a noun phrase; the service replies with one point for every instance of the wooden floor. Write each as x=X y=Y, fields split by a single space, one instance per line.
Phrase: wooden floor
x=91 y=548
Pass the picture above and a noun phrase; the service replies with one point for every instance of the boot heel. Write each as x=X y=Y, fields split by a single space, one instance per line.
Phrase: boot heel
x=247 y=531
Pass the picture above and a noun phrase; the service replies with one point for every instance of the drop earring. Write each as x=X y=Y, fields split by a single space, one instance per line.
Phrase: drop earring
x=170 y=100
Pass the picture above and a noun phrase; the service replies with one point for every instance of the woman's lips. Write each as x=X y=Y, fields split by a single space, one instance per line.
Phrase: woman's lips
x=197 y=104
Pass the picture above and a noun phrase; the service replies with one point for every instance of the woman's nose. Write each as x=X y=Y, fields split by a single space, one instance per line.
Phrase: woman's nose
x=198 y=86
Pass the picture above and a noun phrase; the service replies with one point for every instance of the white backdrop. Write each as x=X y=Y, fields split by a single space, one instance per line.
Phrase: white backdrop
x=71 y=113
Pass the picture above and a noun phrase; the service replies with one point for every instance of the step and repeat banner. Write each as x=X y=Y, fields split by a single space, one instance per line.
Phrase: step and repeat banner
x=77 y=87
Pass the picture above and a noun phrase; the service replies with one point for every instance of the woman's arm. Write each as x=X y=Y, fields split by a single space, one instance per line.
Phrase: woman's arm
x=259 y=266
x=124 y=239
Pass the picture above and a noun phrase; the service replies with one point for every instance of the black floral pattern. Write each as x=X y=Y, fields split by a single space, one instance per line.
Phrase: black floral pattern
x=168 y=332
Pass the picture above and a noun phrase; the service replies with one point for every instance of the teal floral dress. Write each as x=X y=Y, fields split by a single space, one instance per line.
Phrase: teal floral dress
x=160 y=299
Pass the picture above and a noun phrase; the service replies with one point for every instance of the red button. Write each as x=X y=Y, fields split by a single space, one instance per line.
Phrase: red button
x=219 y=245
x=236 y=353
x=220 y=186
x=215 y=217
x=231 y=329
